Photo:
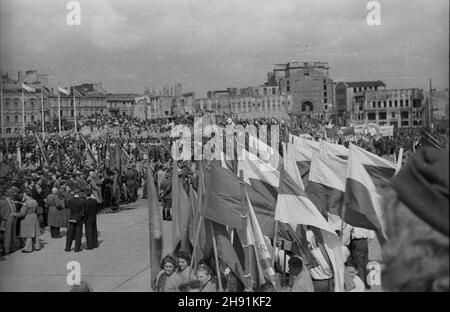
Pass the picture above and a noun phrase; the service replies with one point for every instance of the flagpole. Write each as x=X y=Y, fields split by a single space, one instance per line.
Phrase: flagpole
x=1 y=100
x=42 y=112
x=199 y=208
x=59 y=111
x=149 y=220
x=216 y=257
x=23 y=113
x=74 y=108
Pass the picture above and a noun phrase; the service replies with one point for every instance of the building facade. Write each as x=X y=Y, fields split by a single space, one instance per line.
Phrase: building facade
x=351 y=94
x=89 y=99
x=36 y=104
x=439 y=103
x=246 y=107
x=121 y=104
x=397 y=107
x=309 y=84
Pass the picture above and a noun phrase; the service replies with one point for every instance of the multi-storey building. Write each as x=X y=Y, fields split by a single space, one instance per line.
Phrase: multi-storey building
x=351 y=94
x=122 y=104
x=438 y=101
x=89 y=98
x=396 y=107
x=35 y=104
x=248 y=107
x=310 y=86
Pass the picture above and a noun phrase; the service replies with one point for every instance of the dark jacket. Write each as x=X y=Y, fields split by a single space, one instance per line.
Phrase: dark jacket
x=91 y=209
x=77 y=207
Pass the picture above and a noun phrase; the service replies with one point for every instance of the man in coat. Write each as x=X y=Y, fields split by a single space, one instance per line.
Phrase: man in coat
x=91 y=221
x=77 y=208
x=9 y=242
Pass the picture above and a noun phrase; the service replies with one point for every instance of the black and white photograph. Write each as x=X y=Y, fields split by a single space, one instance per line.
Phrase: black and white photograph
x=224 y=146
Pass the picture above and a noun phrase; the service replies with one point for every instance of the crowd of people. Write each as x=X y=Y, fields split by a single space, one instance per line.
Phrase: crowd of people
x=64 y=181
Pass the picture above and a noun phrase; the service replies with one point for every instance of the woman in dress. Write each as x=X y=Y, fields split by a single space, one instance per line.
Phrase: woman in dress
x=168 y=280
x=57 y=216
x=29 y=227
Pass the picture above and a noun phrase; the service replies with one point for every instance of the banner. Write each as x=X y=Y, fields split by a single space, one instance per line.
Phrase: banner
x=387 y=131
x=366 y=129
x=348 y=134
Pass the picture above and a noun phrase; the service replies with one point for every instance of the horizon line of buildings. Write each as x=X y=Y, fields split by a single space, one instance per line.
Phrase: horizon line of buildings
x=291 y=89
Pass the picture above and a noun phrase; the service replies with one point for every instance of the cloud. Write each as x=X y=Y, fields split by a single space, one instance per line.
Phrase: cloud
x=215 y=44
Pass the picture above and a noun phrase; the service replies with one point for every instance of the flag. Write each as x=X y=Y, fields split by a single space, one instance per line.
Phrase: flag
x=184 y=217
x=155 y=223
x=302 y=151
x=44 y=155
x=261 y=244
x=89 y=150
x=362 y=195
x=260 y=175
x=226 y=251
x=28 y=88
x=64 y=91
x=294 y=207
x=222 y=202
x=334 y=149
x=429 y=140
x=176 y=235
x=19 y=157
x=326 y=186
x=265 y=152
x=381 y=171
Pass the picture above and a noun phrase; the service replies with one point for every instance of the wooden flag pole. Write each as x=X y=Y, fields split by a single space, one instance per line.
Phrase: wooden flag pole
x=399 y=161
x=216 y=257
x=150 y=229
x=199 y=207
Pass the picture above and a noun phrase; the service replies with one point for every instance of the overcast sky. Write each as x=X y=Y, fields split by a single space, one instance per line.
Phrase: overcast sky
x=207 y=45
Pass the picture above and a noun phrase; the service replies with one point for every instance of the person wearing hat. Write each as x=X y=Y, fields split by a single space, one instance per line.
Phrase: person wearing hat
x=9 y=241
x=77 y=208
x=416 y=255
x=29 y=227
x=57 y=216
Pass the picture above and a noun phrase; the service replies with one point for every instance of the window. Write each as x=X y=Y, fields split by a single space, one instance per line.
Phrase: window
x=7 y=119
x=325 y=94
x=390 y=103
x=25 y=118
x=71 y=113
x=354 y=90
x=406 y=103
x=382 y=115
x=405 y=123
x=287 y=89
x=405 y=115
x=305 y=74
x=396 y=103
x=16 y=118
x=401 y=103
x=379 y=104
x=274 y=91
x=371 y=116
x=393 y=114
x=384 y=104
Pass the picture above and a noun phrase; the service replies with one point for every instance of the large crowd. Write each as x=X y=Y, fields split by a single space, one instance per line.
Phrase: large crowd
x=65 y=180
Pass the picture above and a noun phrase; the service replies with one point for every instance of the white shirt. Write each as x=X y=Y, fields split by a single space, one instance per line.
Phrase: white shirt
x=358 y=233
